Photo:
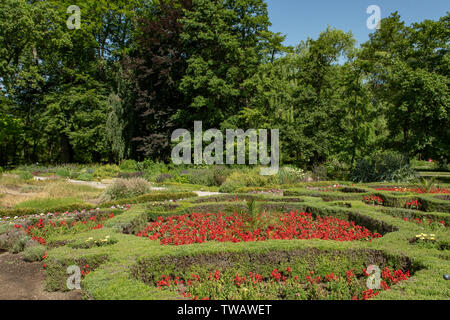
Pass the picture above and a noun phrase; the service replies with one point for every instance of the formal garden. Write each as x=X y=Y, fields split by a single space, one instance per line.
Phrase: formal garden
x=151 y=231
x=136 y=137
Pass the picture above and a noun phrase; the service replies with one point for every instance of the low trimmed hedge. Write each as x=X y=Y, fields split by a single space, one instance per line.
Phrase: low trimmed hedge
x=326 y=196
x=429 y=203
x=300 y=260
x=416 y=214
x=130 y=222
x=352 y=190
x=225 y=207
x=20 y=212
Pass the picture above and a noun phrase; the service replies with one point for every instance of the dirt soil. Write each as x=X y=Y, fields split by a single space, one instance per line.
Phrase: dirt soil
x=20 y=280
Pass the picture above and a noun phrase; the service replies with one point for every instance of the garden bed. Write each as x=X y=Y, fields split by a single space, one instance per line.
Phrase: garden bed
x=304 y=274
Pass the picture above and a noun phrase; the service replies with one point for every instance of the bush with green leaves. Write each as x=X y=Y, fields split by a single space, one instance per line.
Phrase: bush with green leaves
x=220 y=175
x=231 y=186
x=387 y=166
x=127 y=188
x=319 y=172
x=85 y=177
x=247 y=178
x=63 y=172
x=337 y=169
x=163 y=177
x=34 y=253
x=107 y=171
x=128 y=165
x=289 y=175
x=204 y=177
x=25 y=175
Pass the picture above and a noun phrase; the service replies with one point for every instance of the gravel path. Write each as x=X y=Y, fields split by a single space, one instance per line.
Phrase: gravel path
x=102 y=185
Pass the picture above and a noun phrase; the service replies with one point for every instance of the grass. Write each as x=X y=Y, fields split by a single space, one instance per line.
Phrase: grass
x=18 y=193
x=47 y=203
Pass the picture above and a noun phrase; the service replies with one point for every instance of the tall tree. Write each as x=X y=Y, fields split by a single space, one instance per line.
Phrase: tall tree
x=409 y=71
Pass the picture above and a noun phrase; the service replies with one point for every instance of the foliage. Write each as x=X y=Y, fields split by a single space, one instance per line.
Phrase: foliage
x=34 y=253
x=386 y=166
x=106 y=171
x=128 y=165
x=290 y=175
x=127 y=188
x=85 y=177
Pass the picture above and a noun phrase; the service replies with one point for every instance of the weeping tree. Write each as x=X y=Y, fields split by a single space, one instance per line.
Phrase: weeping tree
x=114 y=128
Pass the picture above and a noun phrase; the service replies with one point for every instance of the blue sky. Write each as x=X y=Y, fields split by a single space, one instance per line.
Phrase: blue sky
x=300 y=19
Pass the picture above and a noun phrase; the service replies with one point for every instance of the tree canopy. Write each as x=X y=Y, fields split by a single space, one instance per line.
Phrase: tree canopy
x=136 y=70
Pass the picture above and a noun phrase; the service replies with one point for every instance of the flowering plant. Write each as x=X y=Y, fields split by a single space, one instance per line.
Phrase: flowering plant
x=373 y=200
x=199 y=228
x=279 y=284
x=413 y=204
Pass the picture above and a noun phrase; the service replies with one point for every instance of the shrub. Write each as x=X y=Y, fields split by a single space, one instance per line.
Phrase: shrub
x=204 y=177
x=13 y=240
x=363 y=172
x=127 y=188
x=19 y=212
x=128 y=165
x=247 y=178
x=220 y=175
x=85 y=177
x=231 y=186
x=144 y=165
x=289 y=175
x=154 y=168
x=25 y=175
x=63 y=172
x=128 y=175
x=151 y=197
x=337 y=169
x=163 y=177
x=319 y=172
x=107 y=171
x=34 y=253
x=181 y=179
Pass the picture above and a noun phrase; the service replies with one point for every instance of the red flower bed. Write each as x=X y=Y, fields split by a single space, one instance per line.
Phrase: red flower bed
x=280 y=284
x=199 y=228
x=42 y=230
x=414 y=190
x=413 y=204
x=373 y=200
